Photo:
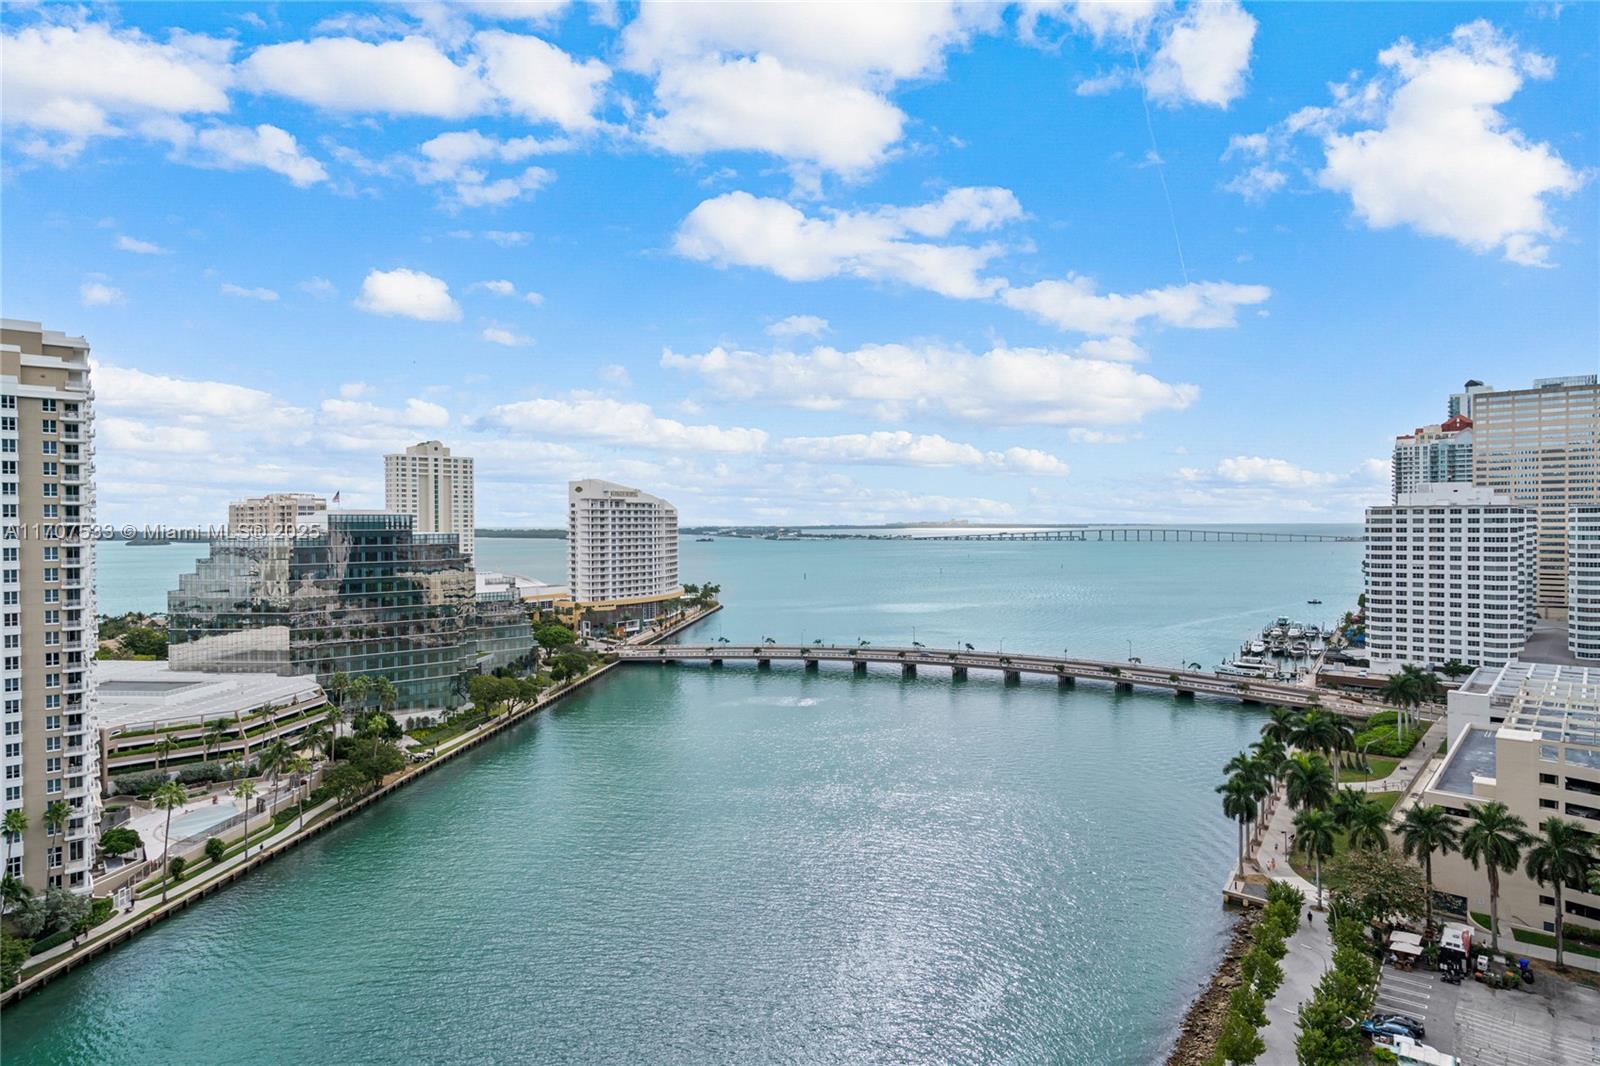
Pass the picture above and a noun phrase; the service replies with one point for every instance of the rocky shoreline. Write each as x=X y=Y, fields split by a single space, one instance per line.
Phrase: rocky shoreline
x=1203 y=1020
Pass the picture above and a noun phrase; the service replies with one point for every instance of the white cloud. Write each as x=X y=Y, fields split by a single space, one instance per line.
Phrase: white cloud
x=98 y=294
x=410 y=76
x=408 y=293
x=132 y=435
x=416 y=414
x=126 y=391
x=113 y=76
x=901 y=448
x=503 y=336
x=458 y=159
x=1004 y=386
x=354 y=390
x=798 y=326
x=616 y=374
x=1127 y=20
x=1073 y=304
x=238 y=147
x=540 y=82
x=265 y=295
x=126 y=243
x=1205 y=56
x=506 y=238
x=633 y=424
x=1444 y=160
x=499 y=288
x=738 y=229
x=760 y=105
x=1254 y=469
x=756 y=76
x=321 y=288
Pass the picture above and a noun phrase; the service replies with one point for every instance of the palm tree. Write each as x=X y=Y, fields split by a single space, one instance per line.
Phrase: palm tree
x=244 y=791
x=1239 y=803
x=1323 y=731
x=1280 y=725
x=164 y=748
x=273 y=758
x=1423 y=831
x=300 y=766
x=168 y=796
x=215 y=736
x=1369 y=827
x=1404 y=690
x=1494 y=838
x=1314 y=832
x=1307 y=781
x=14 y=825
x=1558 y=856
x=317 y=737
x=55 y=817
x=386 y=694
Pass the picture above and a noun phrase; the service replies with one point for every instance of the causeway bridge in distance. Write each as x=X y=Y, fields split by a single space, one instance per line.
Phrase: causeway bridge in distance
x=1150 y=534
x=1125 y=676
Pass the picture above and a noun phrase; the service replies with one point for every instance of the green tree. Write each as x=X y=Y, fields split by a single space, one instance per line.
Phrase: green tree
x=1314 y=832
x=145 y=641
x=487 y=692
x=300 y=767
x=13 y=955
x=1494 y=838
x=168 y=797
x=164 y=747
x=1307 y=781
x=1376 y=883
x=344 y=781
x=120 y=840
x=1423 y=831
x=1558 y=856
x=1325 y=732
x=175 y=867
x=215 y=850
x=554 y=636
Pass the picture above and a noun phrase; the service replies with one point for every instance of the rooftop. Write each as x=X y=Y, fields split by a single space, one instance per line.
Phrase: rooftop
x=134 y=692
x=1503 y=683
x=1471 y=756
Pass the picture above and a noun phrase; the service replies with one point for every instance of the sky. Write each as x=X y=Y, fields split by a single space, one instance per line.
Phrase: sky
x=791 y=264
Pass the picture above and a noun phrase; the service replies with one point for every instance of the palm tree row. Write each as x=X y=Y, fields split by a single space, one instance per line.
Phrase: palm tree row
x=1408 y=690
x=1498 y=841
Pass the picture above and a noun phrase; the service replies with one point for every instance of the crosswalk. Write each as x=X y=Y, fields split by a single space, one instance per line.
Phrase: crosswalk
x=1498 y=1041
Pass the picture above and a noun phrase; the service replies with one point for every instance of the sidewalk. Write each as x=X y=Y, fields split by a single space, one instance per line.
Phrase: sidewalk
x=1309 y=956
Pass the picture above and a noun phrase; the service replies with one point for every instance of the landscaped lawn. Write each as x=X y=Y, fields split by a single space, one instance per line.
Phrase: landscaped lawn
x=1378 y=767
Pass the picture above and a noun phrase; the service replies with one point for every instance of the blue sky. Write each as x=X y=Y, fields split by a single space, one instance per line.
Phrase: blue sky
x=787 y=264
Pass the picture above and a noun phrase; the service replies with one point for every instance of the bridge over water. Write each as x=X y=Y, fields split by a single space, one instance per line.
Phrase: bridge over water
x=1011 y=665
x=1107 y=533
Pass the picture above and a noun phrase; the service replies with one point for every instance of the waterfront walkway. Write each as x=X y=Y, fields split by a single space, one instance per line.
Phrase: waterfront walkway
x=1012 y=665
x=1145 y=534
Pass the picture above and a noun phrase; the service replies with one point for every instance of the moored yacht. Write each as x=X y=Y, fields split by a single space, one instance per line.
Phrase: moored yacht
x=1247 y=666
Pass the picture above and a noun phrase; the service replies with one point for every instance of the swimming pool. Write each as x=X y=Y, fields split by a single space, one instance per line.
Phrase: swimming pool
x=195 y=822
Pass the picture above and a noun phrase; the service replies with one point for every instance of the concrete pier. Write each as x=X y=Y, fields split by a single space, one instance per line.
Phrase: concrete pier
x=1066 y=681
x=1013 y=677
x=861 y=667
x=908 y=670
x=958 y=673
x=763 y=664
x=813 y=666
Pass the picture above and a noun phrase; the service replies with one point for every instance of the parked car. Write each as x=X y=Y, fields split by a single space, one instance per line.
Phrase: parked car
x=1375 y=1027
x=1406 y=1020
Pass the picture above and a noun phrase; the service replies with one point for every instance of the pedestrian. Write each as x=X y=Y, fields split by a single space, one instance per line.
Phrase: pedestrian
x=1308 y=918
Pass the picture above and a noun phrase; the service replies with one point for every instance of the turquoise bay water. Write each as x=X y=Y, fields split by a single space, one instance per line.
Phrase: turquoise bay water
x=688 y=865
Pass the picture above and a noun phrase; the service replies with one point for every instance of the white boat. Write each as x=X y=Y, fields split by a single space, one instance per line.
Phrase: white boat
x=1245 y=666
x=1258 y=647
x=1295 y=633
x=1300 y=649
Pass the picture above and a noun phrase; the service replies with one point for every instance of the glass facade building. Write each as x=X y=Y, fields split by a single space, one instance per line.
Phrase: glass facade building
x=368 y=596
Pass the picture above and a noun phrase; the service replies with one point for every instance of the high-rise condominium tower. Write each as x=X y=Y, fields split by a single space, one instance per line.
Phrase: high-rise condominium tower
x=1432 y=455
x=50 y=756
x=275 y=514
x=1583 y=590
x=435 y=488
x=1541 y=447
x=622 y=553
x=1449 y=576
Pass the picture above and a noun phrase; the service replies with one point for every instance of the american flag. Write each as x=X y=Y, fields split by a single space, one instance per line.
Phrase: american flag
x=336 y=497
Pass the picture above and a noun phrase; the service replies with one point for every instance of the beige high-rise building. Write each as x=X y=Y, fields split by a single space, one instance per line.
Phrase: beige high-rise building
x=435 y=488
x=622 y=555
x=275 y=514
x=1541 y=447
x=50 y=760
